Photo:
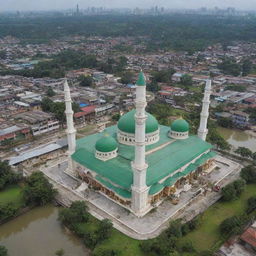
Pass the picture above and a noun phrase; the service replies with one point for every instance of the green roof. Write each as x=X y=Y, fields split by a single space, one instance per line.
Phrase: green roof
x=162 y=162
x=106 y=144
x=155 y=188
x=180 y=125
x=127 y=123
x=141 y=80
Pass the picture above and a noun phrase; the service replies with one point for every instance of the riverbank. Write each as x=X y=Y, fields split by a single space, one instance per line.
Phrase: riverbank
x=29 y=233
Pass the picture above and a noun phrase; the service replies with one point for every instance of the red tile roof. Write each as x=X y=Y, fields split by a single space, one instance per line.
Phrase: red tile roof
x=249 y=236
x=88 y=109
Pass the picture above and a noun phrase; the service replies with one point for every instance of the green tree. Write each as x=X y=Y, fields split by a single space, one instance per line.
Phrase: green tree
x=3 y=251
x=239 y=186
x=127 y=77
x=251 y=204
x=7 y=211
x=244 y=152
x=86 y=81
x=38 y=190
x=153 y=86
x=104 y=230
x=248 y=173
x=231 y=226
x=237 y=88
x=7 y=175
x=228 y=193
x=225 y=122
x=77 y=213
x=116 y=117
x=50 y=92
x=174 y=229
x=163 y=76
x=215 y=138
x=105 y=252
x=246 y=67
x=186 y=80
x=230 y=67
x=233 y=190
x=47 y=104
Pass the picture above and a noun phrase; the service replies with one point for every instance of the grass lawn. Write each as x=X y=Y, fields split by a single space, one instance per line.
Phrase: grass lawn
x=12 y=194
x=204 y=238
x=208 y=234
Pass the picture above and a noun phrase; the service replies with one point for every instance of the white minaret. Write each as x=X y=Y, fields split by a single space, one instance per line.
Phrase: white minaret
x=202 y=131
x=71 y=131
x=140 y=190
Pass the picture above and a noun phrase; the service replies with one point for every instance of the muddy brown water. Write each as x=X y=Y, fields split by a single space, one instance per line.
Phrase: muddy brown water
x=39 y=233
x=238 y=138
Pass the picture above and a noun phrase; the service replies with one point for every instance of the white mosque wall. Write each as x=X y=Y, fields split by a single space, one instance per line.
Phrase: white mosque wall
x=129 y=138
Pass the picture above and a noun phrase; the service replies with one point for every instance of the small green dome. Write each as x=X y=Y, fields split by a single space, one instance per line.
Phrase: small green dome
x=106 y=144
x=180 y=125
x=127 y=123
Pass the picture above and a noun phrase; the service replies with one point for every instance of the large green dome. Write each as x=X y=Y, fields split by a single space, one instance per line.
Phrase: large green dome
x=127 y=123
x=180 y=125
x=106 y=144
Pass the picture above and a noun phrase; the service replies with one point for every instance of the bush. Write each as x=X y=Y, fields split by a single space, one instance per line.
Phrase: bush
x=175 y=229
x=195 y=223
x=116 y=117
x=38 y=190
x=228 y=193
x=239 y=186
x=7 y=211
x=248 y=173
x=90 y=239
x=233 y=190
x=187 y=246
x=233 y=225
x=7 y=175
x=106 y=252
x=162 y=245
x=3 y=251
x=185 y=229
x=251 y=204
x=206 y=253
x=104 y=231
x=77 y=213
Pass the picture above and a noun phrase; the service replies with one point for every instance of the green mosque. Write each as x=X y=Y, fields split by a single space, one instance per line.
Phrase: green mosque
x=139 y=163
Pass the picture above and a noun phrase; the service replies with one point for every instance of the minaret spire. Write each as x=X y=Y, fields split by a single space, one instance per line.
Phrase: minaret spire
x=139 y=188
x=71 y=131
x=202 y=131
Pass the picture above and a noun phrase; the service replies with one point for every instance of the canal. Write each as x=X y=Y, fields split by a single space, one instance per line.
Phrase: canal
x=238 y=138
x=39 y=233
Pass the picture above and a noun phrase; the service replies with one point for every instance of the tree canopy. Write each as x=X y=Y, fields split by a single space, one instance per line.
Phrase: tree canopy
x=38 y=190
x=7 y=175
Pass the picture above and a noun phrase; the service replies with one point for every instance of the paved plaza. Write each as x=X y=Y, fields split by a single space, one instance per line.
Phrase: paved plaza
x=155 y=221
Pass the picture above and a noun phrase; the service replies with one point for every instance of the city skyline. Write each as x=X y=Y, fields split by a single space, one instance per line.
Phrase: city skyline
x=28 y=5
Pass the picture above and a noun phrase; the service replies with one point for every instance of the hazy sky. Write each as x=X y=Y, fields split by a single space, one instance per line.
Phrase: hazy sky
x=6 y=5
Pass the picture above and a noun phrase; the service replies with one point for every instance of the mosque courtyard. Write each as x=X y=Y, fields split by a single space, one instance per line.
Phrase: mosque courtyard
x=192 y=202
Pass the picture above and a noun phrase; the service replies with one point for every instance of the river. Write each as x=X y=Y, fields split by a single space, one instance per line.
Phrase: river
x=238 y=138
x=39 y=233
